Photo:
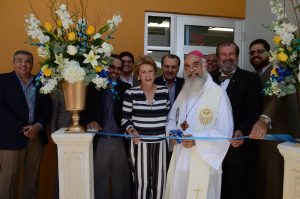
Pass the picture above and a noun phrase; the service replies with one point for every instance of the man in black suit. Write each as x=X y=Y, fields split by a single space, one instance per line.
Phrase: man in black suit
x=170 y=65
x=103 y=113
x=23 y=119
x=243 y=89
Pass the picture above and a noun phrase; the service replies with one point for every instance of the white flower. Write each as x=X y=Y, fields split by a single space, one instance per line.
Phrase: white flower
x=71 y=50
x=275 y=88
x=49 y=85
x=106 y=49
x=100 y=82
x=72 y=72
x=97 y=36
x=115 y=21
x=33 y=29
x=64 y=16
x=91 y=58
x=42 y=52
x=60 y=60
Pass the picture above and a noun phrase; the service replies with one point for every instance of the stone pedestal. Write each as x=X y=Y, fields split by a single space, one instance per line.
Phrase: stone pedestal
x=75 y=164
x=291 y=154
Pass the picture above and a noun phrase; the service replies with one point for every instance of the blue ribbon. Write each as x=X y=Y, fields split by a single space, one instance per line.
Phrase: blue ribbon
x=178 y=136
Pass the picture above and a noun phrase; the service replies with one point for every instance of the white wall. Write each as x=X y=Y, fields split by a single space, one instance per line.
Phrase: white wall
x=258 y=12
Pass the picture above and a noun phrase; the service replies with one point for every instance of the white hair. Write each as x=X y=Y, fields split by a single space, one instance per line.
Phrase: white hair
x=194 y=85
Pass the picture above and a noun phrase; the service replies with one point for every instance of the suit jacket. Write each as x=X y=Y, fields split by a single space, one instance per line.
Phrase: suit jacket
x=95 y=104
x=244 y=94
x=276 y=108
x=14 y=113
x=178 y=86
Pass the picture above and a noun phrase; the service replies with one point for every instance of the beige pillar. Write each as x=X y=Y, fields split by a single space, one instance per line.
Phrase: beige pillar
x=75 y=164
x=291 y=153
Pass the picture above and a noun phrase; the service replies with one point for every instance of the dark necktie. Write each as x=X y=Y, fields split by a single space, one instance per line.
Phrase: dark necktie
x=222 y=78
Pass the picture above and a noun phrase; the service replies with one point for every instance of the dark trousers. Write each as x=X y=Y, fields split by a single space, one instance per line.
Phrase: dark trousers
x=269 y=175
x=238 y=181
x=111 y=169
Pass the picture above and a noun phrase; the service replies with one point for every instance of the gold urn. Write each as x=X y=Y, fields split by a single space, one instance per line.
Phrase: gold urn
x=75 y=99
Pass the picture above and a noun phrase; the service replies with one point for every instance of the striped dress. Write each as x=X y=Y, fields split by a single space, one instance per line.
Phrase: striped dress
x=148 y=156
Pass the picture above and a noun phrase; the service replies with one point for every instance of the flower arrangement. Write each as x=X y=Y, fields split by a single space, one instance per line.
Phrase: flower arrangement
x=71 y=49
x=285 y=75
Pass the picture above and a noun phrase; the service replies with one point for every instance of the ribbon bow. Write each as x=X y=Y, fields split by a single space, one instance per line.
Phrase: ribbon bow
x=222 y=78
x=177 y=134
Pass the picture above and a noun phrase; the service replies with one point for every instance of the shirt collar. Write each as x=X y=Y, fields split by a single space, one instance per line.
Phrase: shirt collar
x=165 y=81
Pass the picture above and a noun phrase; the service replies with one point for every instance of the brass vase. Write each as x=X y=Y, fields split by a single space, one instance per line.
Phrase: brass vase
x=75 y=99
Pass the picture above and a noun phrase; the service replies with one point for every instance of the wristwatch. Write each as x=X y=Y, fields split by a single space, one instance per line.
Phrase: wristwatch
x=265 y=119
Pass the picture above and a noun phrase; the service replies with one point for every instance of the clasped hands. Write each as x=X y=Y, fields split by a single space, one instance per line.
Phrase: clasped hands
x=31 y=131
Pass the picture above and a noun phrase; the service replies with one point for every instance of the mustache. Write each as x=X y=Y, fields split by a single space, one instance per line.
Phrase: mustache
x=256 y=57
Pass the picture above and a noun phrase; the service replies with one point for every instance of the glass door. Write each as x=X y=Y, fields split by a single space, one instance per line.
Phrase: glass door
x=204 y=34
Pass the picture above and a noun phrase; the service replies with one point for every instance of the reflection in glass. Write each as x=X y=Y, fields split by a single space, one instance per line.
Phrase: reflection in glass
x=206 y=35
x=159 y=31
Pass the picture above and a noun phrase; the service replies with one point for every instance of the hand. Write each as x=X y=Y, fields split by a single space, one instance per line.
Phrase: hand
x=188 y=143
x=259 y=130
x=136 y=136
x=237 y=143
x=31 y=131
x=173 y=141
x=94 y=125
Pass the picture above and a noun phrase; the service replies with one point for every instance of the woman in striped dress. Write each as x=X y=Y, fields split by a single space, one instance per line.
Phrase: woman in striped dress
x=145 y=111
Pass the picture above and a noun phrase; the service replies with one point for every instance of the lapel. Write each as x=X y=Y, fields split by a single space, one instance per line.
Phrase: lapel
x=233 y=81
x=20 y=100
x=265 y=76
x=178 y=87
x=18 y=88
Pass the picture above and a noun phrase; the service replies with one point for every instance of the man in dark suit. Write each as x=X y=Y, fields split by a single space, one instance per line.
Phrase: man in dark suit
x=243 y=89
x=23 y=119
x=128 y=75
x=270 y=163
x=170 y=65
x=103 y=113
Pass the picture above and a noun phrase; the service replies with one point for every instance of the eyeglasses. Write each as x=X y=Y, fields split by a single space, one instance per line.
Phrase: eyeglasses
x=259 y=52
x=114 y=67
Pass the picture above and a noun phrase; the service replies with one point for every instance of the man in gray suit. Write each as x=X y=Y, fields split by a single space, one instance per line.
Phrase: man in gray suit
x=274 y=120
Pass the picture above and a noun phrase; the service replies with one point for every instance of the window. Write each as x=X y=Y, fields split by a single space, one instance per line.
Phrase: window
x=180 y=34
x=159 y=35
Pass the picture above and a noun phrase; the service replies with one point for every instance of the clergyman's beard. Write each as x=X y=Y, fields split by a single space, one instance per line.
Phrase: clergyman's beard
x=194 y=85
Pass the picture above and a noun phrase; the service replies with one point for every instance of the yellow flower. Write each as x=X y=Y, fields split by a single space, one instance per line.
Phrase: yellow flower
x=282 y=57
x=47 y=72
x=71 y=36
x=59 y=23
x=48 y=26
x=90 y=30
x=277 y=40
x=98 y=69
x=274 y=72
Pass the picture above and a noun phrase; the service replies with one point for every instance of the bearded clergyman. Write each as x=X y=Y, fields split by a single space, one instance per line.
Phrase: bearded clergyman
x=202 y=109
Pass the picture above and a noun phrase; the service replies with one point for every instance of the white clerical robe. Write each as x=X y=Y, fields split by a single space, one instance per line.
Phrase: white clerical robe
x=196 y=172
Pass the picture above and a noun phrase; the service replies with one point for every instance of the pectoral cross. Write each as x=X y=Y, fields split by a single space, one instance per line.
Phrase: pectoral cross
x=197 y=190
x=184 y=125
